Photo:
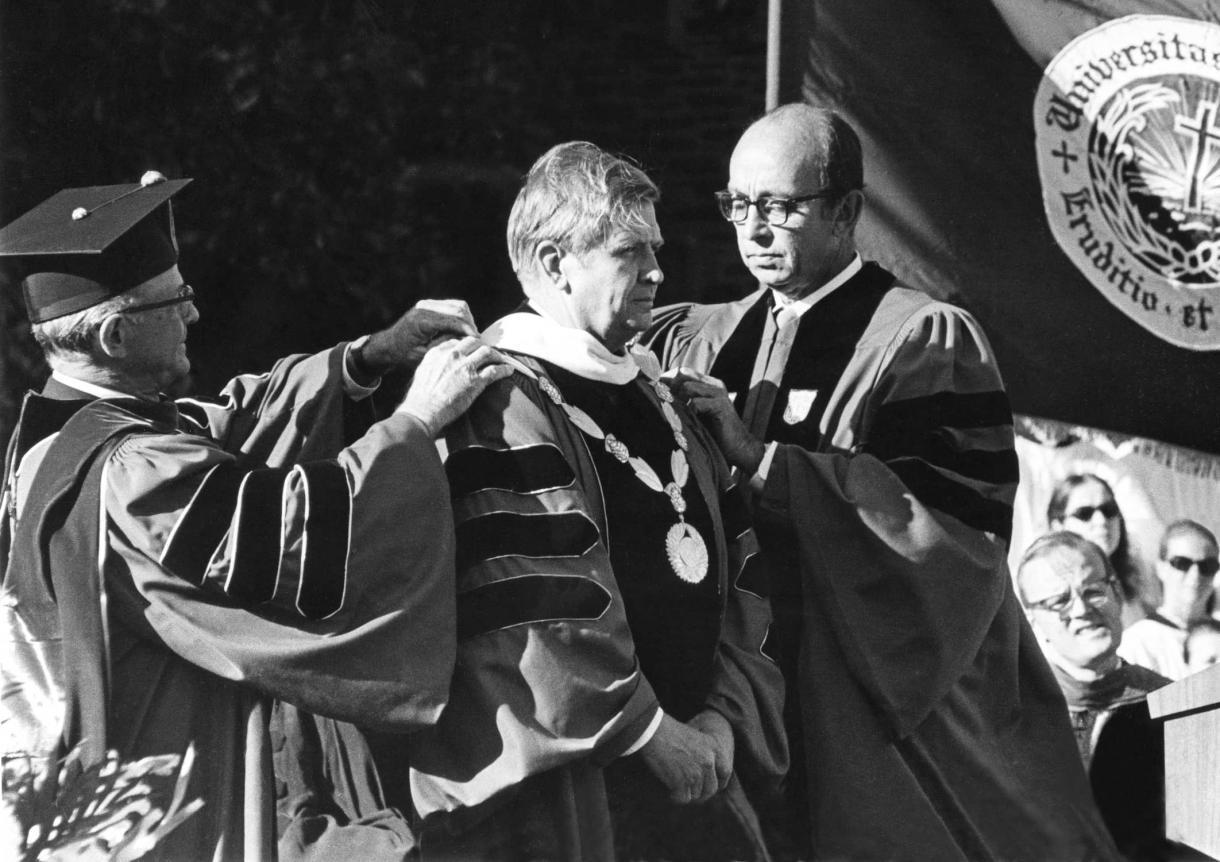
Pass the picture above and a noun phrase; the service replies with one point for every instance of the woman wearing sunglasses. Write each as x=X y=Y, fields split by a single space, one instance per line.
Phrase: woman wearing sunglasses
x=1187 y=565
x=1084 y=504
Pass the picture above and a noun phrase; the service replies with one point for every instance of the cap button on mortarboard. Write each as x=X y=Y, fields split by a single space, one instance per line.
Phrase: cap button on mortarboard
x=83 y=246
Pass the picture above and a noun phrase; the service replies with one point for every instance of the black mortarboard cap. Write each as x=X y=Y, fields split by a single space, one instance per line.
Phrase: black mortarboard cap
x=83 y=246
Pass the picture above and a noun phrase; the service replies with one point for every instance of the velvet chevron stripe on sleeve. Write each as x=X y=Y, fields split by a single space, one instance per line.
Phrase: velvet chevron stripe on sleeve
x=950 y=409
x=529 y=599
x=527 y=470
x=240 y=504
x=203 y=524
x=255 y=556
x=507 y=534
x=324 y=551
x=942 y=492
x=955 y=453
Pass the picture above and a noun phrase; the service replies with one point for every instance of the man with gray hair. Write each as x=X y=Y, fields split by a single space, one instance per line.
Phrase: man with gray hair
x=1074 y=601
x=872 y=424
x=612 y=690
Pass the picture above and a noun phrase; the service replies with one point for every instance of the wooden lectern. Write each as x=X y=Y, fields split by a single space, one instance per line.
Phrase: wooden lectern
x=1190 y=709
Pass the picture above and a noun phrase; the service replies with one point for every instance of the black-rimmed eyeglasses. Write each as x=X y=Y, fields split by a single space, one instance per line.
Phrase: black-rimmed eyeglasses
x=736 y=208
x=185 y=294
x=1094 y=595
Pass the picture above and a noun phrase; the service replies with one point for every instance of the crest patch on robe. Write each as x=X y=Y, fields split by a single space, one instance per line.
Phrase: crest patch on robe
x=800 y=401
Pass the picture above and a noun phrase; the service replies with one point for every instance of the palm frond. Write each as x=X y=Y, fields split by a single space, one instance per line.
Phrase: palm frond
x=115 y=810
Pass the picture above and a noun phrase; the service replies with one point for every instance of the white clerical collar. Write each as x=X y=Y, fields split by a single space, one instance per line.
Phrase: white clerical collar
x=571 y=349
x=89 y=388
x=799 y=306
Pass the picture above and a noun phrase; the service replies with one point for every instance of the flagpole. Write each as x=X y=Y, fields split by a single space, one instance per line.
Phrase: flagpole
x=775 y=10
x=7 y=397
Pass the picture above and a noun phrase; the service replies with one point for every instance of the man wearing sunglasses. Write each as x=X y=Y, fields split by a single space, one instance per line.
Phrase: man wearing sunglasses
x=872 y=423
x=1074 y=601
x=171 y=567
x=1186 y=566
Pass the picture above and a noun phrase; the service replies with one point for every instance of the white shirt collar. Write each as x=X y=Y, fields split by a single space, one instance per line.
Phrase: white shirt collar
x=90 y=388
x=571 y=349
x=799 y=306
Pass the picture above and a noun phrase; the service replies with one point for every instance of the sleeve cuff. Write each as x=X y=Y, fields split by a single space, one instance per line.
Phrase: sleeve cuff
x=647 y=735
x=353 y=390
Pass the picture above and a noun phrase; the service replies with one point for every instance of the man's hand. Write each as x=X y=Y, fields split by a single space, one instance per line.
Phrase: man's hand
x=717 y=728
x=404 y=344
x=683 y=759
x=449 y=378
x=710 y=400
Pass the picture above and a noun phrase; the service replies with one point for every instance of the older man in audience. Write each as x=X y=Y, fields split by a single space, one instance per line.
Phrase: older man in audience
x=1072 y=596
x=1186 y=566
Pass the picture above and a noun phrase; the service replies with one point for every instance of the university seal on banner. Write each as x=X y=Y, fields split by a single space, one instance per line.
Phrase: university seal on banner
x=1128 y=142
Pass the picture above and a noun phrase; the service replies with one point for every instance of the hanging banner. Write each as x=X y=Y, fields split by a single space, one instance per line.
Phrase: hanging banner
x=955 y=104
x=1128 y=145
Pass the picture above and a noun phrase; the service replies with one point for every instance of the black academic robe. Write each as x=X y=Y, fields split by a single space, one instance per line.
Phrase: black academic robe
x=574 y=630
x=175 y=566
x=923 y=719
x=1124 y=752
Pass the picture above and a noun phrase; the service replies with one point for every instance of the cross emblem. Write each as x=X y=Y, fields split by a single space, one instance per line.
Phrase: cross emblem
x=1204 y=134
x=1067 y=157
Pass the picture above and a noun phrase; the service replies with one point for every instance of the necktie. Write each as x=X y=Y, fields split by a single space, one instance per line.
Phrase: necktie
x=778 y=334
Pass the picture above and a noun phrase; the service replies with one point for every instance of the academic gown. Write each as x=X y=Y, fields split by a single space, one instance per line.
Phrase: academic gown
x=1123 y=750
x=574 y=630
x=923 y=719
x=174 y=566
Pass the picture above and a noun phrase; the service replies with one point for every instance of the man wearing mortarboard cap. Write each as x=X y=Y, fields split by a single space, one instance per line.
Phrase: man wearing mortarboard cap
x=171 y=567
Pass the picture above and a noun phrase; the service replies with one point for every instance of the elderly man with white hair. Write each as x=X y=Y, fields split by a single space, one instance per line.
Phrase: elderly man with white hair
x=172 y=569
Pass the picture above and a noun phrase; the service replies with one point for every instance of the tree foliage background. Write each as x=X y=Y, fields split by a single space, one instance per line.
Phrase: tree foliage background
x=350 y=157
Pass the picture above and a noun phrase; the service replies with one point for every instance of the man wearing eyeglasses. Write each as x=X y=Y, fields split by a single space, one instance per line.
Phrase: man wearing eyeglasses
x=1186 y=566
x=872 y=424
x=1073 y=598
x=170 y=568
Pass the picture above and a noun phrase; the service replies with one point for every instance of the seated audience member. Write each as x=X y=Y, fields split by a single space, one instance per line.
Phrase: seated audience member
x=612 y=686
x=1084 y=504
x=1186 y=567
x=1070 y=593
x=1202 y=648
